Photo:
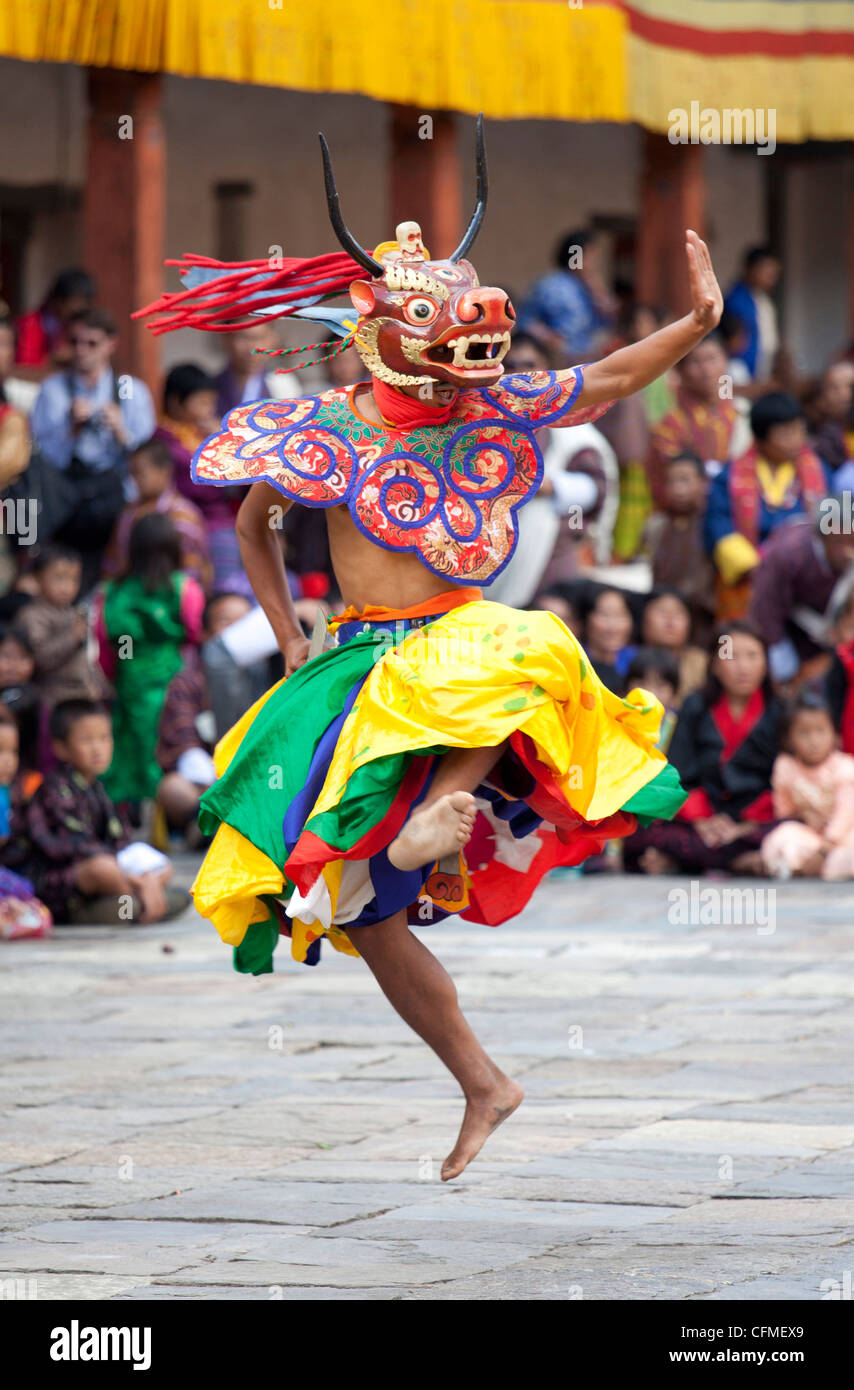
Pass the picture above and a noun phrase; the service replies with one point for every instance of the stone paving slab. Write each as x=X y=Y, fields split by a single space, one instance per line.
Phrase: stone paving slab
x=171 y=1130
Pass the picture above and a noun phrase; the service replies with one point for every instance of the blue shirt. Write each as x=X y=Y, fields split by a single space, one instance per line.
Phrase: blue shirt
x=563 y=303
x=94 y=443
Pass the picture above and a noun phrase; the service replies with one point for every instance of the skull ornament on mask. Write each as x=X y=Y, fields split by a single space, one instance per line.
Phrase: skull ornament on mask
x=422 y=320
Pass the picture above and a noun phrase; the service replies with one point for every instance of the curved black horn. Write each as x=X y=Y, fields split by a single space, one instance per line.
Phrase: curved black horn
x=480 y=206
x=346 y=238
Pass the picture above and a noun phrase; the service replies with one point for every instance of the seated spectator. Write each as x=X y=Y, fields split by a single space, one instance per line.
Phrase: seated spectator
x=750 y=301
x=666 y=624
x=70 y=840
x=813 y=787
x=43 y=334
x=656 y=670
x=145 y=620
x=802 y=566
x=189 y=416
x=57 y=631
x=574 y=511
x=569 y=309
x=566 y=601
x=830 y=420
x=14 y=390
x=85 y=427
x=187 y=728
x=723 y=748
x=776 y=480
x=248 y=375
x=8 y=768
x=14 y=443
x=153 y=472
x=839 y=681
x=19 y=695
x=675 y=538
x=608 y=627
x=701 y=422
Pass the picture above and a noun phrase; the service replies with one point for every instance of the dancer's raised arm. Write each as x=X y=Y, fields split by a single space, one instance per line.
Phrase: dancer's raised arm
x=630 y=369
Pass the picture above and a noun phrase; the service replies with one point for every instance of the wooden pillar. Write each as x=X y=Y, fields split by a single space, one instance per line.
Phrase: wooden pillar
x=673 y=198
x=124 y=206
x=425 y=177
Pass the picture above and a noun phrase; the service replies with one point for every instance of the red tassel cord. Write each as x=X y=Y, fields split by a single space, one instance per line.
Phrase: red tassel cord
x=221 y=304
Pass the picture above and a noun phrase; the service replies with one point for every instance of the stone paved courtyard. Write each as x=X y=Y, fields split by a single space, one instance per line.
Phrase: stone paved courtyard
x=169 y=1129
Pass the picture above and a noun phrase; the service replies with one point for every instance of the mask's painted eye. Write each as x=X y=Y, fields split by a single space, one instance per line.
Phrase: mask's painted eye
x=420 y=309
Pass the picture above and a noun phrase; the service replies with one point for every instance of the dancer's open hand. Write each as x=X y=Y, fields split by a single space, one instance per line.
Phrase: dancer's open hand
x=707 y=301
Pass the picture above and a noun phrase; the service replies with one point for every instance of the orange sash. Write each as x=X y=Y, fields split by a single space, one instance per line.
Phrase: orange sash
x=439 y=603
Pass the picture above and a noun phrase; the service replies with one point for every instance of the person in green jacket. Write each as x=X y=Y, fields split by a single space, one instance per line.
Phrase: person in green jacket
x=146 y=619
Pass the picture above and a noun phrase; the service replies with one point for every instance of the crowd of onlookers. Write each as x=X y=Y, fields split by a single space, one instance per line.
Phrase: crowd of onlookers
x=698 y=541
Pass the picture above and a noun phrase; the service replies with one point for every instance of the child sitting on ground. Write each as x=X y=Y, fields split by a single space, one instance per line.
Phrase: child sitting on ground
x=58 y=632
x=813 y=788
x=839 y=682
x=145 y=620
x=20 y=697
x=71 y=842
x=187 y=727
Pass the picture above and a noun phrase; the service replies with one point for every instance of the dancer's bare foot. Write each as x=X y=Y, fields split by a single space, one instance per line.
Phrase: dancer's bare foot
x=481 y=1118
x=434 y=831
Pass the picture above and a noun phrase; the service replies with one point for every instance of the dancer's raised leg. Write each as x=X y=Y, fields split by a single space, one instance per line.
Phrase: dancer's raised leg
x=443 y=823
x=419 y=987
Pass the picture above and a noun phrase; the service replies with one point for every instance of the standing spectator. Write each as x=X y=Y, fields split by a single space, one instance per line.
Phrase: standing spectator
x=248 y=376
x=153 y=472
x=85 y=427
x=189 y=416
x=750 y=301
x=802 y=566
x=674 y=537
x=830 y=420
x=568 y=309
x=43 y=335
x=776 y=479
x=145 y=620
x=14 y=391
x=701 y=422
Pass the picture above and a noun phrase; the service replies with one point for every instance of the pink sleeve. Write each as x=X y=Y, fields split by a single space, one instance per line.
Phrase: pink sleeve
x=192 y=608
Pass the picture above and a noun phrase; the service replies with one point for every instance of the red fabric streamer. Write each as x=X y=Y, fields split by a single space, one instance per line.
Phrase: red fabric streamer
x=221 y=305
x=403 y=412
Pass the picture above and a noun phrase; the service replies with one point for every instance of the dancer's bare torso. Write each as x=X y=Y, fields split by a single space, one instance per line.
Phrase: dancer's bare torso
x=367 y=573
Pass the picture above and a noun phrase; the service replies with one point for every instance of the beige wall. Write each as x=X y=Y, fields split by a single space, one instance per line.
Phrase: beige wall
x=545 y=177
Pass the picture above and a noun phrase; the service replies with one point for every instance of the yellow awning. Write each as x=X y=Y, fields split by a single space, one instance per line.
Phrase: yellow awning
x=559 y=59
